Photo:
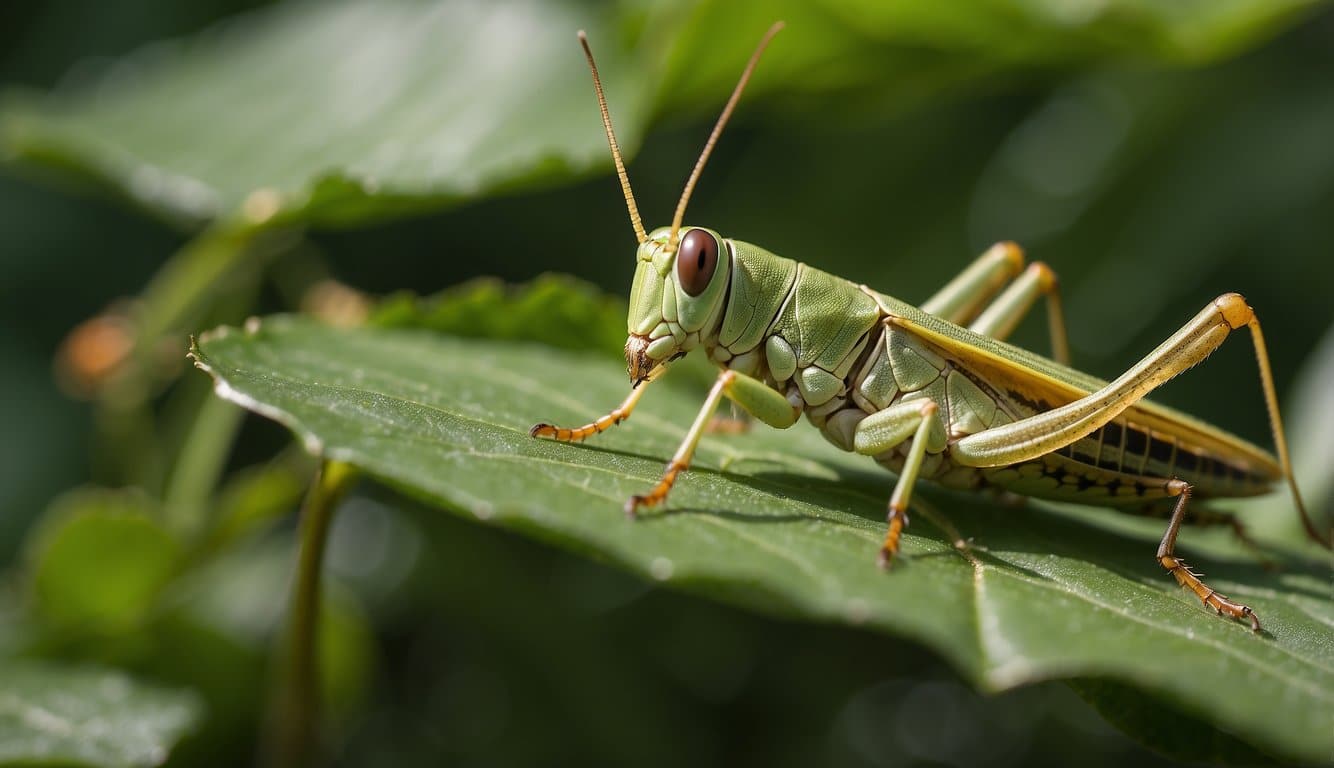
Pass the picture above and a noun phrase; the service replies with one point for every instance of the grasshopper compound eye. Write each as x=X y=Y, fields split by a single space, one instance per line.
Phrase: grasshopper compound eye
x=696 y=259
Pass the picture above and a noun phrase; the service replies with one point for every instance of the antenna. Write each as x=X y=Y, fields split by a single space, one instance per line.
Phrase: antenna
x=611 y=141
x=717 y=130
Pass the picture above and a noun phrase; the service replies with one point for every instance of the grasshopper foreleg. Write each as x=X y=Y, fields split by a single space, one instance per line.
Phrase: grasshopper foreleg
x=618 y=414
x=754 y=397
x=1185 y=576
x=918 y=420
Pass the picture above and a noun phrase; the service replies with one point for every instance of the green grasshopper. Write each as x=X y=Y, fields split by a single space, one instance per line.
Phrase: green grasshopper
x=932 y=392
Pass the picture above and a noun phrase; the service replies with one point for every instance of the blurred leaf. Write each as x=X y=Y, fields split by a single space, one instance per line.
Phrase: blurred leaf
x=256 y=497
x=227 y=675
x=214 y=631
x=556 y=310
x=339 y=111
x=782 y=521
x=1061 y=29
x=873 y=54
x=552 y=309
x=85 y=716
x=99 y=560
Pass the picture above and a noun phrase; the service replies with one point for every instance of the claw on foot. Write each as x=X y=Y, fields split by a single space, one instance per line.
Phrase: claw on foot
x=575 y=435
x=898 y=520
x=659 y=492
x=1190 y=579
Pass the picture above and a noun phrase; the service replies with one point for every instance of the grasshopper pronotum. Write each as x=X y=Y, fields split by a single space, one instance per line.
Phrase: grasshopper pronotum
x=932 y=392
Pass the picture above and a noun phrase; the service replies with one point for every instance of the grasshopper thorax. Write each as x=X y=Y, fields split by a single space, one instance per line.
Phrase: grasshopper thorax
x=677 y=298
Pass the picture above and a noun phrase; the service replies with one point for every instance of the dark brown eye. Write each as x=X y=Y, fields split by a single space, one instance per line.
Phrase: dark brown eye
x=696 y=259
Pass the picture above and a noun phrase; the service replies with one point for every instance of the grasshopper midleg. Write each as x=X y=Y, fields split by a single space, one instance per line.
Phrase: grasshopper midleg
x=932 y=393
x=917 y=421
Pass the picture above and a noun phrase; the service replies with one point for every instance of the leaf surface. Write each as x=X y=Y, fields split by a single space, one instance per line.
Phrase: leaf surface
x=99 y=559
x=783 y=522
x=84 y=716
x=354 y=110
x=339 y=111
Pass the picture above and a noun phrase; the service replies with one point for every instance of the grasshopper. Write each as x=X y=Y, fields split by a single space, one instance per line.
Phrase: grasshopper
x=932 y=392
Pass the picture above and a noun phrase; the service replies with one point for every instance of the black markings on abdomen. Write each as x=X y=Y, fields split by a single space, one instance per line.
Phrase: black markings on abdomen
x=1128 y=449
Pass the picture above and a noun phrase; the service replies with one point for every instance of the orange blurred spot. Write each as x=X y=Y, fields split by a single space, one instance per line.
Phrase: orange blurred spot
x=92 y=353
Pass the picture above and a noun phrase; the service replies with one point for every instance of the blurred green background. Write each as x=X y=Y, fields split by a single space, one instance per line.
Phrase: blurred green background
x=1155 y=157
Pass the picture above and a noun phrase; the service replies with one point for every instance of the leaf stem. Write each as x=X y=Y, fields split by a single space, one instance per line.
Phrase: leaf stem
x=218 y=268
x=297 y=740
x=199 y=465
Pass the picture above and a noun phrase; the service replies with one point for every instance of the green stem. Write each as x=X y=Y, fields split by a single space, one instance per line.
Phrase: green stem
x=199 y=465
x=214 y=266
x=191 y=279
x=298 y=727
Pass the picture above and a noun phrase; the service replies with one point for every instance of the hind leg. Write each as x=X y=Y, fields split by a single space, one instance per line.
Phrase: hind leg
x=1204 y=516
x=1189 y=579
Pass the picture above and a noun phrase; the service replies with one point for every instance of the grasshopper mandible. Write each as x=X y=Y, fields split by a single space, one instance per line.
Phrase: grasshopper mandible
x=932 y=392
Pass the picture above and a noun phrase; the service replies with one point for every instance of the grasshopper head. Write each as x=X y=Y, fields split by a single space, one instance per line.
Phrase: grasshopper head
x=677 y=298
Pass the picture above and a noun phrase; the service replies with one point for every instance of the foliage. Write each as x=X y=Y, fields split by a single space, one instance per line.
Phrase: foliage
x=1148 y=151
x=783 y=522
x=55 y=715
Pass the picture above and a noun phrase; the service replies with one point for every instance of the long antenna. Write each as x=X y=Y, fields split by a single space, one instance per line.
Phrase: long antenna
x=717 y=130
x=611 y=141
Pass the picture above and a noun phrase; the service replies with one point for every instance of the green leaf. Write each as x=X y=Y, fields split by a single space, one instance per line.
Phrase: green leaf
x=783 y=522
x=255 y=498
x=1194 y=30
x=336 y=111
x=870 y=53
x=85 y=716
x=99 y=559
x=552 y=309
x=339 y=112
x=555 y=310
